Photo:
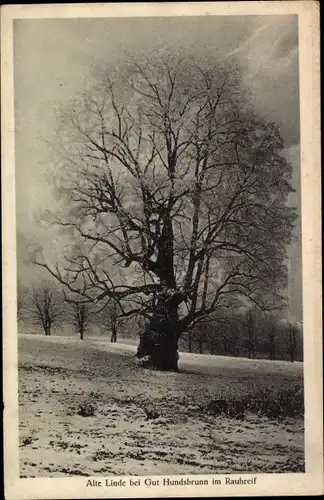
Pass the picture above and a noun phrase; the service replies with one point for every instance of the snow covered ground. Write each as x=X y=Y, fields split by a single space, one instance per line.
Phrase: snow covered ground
x=84 y=407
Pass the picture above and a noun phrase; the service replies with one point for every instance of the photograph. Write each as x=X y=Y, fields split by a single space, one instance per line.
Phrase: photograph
x=159 y=282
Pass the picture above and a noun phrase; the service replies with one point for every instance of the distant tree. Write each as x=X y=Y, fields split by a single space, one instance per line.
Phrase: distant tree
x=81 y=315
x=201 y=333
x=251 y=333
x=227 y=332
x=190 y=339
x=22 y=302
x=271 y=328
x=172 y=174
x=292 y=340
x=225 y=338
x=200 y=338
x=111 y=319
x=213 y=341
x=46 y=306
x=235 y=337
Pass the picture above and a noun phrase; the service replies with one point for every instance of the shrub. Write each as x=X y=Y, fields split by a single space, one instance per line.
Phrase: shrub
x=231 y=408
x=285 y=403
x=274 y=405
x=86 y=410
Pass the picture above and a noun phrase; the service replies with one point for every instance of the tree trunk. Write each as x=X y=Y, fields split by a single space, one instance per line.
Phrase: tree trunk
x=161 y=348
x=113 y=337
x=159 y=340
x=81 y=334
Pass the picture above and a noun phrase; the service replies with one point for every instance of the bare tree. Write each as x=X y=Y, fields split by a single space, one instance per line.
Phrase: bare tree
x=229 y=332
x=271 y=328
x=81 y=315
x=235 y=337
x=225 y=338
x=46 y=306
x=201 y=333
x=251 y=333
x=22 y=302
x=190 y=340
x=173 y=176
x=292 y=341
x=111 y=319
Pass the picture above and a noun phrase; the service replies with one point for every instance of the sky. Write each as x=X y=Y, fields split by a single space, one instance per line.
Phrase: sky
x=55 y=59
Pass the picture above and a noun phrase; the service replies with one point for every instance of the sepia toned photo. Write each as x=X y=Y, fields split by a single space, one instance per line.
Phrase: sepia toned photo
x=163 y=264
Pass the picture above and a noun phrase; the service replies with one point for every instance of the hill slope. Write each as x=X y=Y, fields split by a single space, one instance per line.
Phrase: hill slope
x=86 y=409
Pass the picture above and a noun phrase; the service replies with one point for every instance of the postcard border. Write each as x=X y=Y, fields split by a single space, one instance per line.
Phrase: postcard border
x=310 y=482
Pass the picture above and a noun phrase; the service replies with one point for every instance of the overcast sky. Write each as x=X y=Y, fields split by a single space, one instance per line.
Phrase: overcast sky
x=54 y=59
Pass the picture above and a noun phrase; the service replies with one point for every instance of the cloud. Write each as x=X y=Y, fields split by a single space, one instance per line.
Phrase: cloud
x=269 y=58
x=272 y=47
x=295 y=296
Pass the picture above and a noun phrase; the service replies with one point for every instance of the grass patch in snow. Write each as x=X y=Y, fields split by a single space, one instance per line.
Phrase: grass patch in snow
x=150 y=422
x=274 y=405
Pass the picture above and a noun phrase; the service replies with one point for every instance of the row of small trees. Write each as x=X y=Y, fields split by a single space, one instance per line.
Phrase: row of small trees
x=241 y=333
x=249 y=333
x=46 y=307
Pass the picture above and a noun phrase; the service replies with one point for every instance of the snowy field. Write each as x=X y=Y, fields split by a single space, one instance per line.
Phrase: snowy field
x=85 y=408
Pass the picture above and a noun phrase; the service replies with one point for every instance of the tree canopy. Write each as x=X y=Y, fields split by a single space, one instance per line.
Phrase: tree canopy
x=177 y=193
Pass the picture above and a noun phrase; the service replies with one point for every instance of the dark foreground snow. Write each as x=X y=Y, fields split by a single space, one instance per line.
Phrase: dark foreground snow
x=85 y=408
